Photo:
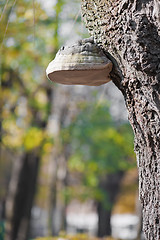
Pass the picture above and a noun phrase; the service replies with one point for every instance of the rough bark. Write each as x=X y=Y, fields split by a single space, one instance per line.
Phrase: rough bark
x=130 y=32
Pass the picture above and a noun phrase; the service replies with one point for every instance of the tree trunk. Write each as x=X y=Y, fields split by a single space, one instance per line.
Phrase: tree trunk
x=20 y=198
x=110 y=185
x=58 y=167
x=130 y=32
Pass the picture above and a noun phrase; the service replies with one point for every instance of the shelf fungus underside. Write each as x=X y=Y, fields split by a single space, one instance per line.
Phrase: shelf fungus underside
x=83 y=63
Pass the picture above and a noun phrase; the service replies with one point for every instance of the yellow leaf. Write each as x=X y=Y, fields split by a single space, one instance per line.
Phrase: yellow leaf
x=33 y=138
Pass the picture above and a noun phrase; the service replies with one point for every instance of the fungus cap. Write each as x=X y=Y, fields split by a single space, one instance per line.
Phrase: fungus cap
x=83 y=63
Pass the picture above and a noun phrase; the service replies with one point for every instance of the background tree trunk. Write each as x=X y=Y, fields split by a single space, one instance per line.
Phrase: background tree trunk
x=130 y=32
x=20 y=197
x=110 y=185
x=58 y=165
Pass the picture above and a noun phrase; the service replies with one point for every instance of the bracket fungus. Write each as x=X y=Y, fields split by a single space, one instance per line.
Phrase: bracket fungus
x=83 y=63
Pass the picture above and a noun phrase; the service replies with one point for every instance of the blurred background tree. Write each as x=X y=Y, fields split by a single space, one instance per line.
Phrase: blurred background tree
x=49 y=133
x=26 y=104
x=30 y=37
x=101 y=152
